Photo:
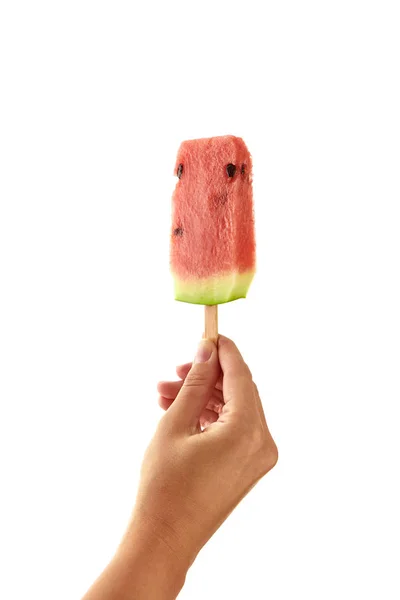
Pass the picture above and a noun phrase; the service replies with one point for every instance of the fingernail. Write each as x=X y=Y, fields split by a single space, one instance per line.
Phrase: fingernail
x=204 y=351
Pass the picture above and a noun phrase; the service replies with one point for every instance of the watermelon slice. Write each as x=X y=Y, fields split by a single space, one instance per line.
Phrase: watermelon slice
x=212 y=236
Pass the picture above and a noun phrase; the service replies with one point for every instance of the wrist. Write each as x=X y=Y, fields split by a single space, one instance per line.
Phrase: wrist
x=152 y=560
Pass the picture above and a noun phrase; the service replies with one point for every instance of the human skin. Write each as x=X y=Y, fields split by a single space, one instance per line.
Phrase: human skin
x=210 y=448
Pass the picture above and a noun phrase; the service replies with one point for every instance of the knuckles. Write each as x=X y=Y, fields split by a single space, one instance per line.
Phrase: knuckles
x=270 y=457
x=196 y=379
x=263 y=451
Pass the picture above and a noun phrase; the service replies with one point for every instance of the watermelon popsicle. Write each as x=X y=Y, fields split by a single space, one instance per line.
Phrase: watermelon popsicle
x=212 y=250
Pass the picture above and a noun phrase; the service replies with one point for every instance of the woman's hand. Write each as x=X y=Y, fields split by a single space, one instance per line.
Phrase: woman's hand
x=210 y=448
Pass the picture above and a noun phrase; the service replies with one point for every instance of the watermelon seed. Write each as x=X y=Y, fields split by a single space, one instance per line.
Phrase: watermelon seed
x=178 y=231
x=179 y=171
x=243 y=170
x=231 y=170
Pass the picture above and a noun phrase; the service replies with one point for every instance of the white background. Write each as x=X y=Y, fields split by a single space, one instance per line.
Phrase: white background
x=95 y=99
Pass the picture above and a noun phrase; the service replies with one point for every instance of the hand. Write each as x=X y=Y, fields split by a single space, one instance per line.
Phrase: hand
x=210 y=448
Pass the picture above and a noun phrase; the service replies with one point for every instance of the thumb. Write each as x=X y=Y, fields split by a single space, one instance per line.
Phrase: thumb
x=197 y=388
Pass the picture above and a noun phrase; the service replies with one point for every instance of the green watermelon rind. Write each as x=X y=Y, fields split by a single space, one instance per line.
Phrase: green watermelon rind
x=213 y=290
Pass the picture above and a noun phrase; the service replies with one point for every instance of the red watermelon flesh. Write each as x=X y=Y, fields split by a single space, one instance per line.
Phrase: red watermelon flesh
x=212 y=236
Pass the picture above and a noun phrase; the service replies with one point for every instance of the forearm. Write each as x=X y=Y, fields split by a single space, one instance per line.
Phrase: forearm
x=144 y=568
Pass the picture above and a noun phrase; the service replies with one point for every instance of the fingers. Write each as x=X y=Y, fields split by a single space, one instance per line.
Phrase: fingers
x=238 y=387
x=260 y=406
x=183 y=370
x=170 y=389
x=234 y=385
x=164 y=402
x=264 y=420
x=215 y=403
x=197 y=389
x=207 y=417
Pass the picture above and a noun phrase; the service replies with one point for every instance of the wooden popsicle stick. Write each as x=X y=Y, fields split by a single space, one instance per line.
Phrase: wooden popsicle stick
x=211 y=323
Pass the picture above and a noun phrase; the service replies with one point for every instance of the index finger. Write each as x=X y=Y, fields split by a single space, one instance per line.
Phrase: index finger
x=237 y=386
